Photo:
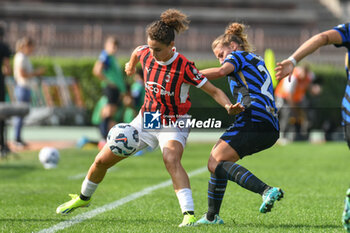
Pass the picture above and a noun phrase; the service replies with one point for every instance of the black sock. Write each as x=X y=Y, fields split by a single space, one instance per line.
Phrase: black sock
x=216 y=191
x=241 y=176
x=104 y=127
x=188 y=212
x=84 y=198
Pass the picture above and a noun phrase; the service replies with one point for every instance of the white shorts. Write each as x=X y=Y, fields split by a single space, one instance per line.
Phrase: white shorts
x=160 y=137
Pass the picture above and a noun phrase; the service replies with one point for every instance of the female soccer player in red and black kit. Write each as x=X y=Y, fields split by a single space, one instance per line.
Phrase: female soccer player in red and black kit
x=168 y=76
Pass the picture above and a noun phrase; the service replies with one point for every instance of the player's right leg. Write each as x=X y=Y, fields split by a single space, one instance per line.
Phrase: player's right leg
x=104 y=160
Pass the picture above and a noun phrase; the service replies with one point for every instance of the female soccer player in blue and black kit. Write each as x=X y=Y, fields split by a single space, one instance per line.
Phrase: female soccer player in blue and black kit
x=254 y=129
x=340 y=37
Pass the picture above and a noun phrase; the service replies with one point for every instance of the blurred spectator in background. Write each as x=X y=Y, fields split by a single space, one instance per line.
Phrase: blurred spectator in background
x=5 y=69
x=108 y=70
x=133 y=100
x=291 y=101
x=138 y=90
x=23 y=73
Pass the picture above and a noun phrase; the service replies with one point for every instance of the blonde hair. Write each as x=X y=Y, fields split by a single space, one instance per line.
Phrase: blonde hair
x=163 y=30
x=235 y=32
x=23 y=42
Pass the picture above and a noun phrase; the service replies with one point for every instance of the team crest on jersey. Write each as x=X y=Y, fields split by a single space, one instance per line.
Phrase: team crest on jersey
x=167 y=78
x=151 y=120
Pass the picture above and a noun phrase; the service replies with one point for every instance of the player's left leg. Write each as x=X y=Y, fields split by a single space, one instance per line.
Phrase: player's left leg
x=222 y=166
x=172 y=153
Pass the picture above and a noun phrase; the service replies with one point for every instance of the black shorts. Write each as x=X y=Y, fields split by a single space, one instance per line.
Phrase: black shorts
x=112 y=94
x=347 y=134
x=248 y=137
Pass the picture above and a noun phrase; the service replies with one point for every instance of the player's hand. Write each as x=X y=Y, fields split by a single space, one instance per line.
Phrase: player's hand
x=129 y=70
x=234 y=109
x=283 y=69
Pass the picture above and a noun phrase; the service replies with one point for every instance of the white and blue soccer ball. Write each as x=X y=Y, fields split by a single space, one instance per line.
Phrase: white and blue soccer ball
x=123 y=139
x=49 y=157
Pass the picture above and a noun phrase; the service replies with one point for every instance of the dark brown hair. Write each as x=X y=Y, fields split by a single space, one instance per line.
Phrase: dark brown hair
x=163 y=30
x=112 y=39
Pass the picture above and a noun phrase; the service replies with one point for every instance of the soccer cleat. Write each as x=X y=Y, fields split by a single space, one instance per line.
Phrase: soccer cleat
x=71 y=205
x=269 y=198
x=188 y=221
x=346 y=213
x=204 y=220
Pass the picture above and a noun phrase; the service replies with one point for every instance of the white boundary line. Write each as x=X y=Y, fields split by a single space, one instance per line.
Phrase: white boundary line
x=87 y=215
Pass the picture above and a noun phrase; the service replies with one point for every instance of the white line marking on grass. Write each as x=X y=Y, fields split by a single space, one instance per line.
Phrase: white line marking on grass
x=82 y=175
x=87 y=215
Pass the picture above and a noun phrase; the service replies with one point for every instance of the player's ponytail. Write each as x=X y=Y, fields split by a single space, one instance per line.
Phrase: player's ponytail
x=163 y=30
x=235 y=32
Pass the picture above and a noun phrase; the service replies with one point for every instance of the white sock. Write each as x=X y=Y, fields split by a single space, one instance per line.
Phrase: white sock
x=88 y=188
x=185 y=199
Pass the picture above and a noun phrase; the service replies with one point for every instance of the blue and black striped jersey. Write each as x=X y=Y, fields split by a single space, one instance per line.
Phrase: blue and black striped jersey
x=251 y=85
x=344 y=30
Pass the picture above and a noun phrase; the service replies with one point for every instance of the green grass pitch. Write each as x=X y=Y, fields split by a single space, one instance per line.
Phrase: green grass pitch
x=314 y=178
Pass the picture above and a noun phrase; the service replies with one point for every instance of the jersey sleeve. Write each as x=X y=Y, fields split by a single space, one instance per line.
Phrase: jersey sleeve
x=193 y=76
x=103 y=58
x=140 y=50
x=344 y=31
x=235 y=60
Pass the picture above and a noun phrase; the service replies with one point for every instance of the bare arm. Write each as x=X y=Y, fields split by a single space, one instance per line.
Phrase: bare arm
x=97 y=70
x=218 y=72
x=130 y=66
x=285 y=68
x=37 y=72
x=221 y=98
x=6 y=67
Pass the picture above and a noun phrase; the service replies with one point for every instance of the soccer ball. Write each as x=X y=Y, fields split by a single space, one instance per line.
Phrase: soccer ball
x=123 y=139
x=49 y=157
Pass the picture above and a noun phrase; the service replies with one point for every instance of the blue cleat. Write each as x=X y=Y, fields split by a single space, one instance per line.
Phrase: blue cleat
x=346 y=213
x=269 y=198
x=205 y=221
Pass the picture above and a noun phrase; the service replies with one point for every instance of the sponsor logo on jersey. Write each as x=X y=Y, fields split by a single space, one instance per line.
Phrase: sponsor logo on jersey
x=198 y=76
x=157 y=88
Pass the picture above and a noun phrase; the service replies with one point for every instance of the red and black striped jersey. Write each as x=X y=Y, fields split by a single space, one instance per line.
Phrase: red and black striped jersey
x=167 y=84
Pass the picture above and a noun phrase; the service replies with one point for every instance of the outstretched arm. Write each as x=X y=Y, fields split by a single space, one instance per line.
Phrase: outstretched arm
x=130 y=66
x=221 y=98
x=218 y=72
x=285 y=68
